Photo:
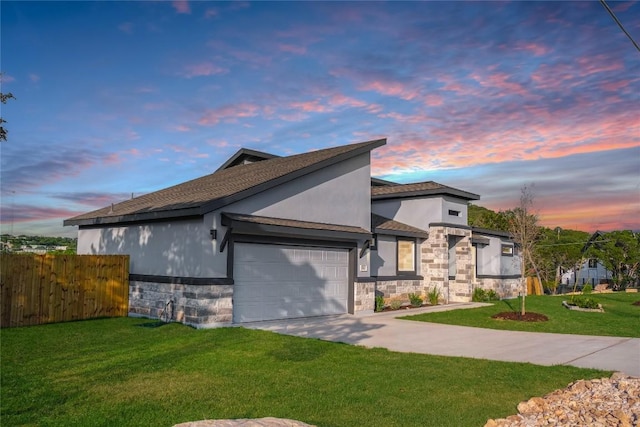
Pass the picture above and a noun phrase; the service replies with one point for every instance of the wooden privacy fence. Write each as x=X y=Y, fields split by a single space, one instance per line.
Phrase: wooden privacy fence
x=533 y=286
x=38 y=289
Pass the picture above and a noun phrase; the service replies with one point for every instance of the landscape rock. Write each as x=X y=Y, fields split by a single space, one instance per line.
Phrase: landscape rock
x=606 y=402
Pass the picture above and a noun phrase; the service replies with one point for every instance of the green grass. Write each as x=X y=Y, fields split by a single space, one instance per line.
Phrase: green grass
x=117 y=372
x=620 y=319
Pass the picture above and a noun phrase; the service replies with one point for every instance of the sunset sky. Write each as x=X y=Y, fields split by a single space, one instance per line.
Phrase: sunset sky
x=115 y=98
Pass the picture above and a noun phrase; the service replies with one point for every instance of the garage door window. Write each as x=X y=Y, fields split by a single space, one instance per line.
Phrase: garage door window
x=406 y=256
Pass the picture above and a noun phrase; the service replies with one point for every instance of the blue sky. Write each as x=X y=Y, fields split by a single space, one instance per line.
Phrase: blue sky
x=115 y=98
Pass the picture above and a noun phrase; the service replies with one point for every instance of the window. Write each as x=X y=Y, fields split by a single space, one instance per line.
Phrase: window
x=507 y=250
x=593 y=263
x=406 y=256
x=454 y=212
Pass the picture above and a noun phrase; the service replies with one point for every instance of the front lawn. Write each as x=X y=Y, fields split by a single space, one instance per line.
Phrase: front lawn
x=132 y=372
x=620 y=319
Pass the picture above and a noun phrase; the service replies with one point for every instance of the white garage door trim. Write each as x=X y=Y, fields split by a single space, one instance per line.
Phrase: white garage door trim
x=283 y=282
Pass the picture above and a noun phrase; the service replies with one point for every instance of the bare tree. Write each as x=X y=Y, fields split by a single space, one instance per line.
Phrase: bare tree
x=523 y=225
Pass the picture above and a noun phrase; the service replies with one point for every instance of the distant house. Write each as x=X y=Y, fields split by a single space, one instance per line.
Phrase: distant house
x=267 y=237
x=591 y=271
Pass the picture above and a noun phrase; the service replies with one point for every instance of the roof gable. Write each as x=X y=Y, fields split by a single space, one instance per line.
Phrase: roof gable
x=245 y=156
x=210 y=192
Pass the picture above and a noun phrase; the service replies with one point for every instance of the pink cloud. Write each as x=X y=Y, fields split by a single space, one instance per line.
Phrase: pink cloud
x=615 y=86
x=218 y=143
x=182 y=128
x=6 y=78
x=181 y=6
x=229 y=113
x=501 y=81
x=311 y=106
x=395 y=89
x=540 y=134
x=34 y=77
x=536 y=48
x=203 y=69
x=299 y=50
x=598 y=64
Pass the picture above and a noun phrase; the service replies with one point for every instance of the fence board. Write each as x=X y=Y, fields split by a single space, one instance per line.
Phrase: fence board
x=38 y=289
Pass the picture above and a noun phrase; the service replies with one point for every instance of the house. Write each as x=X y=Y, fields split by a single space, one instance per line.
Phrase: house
x=268 y=237
x=590 y=272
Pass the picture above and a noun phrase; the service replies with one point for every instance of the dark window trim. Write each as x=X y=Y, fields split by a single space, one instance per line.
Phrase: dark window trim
x=511 y=249
x=498 y=276
x=415 y=256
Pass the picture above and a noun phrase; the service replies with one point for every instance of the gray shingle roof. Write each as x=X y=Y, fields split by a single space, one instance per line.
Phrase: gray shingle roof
x=383 y=225
x=210 y=192
x=418 y=189
x=307 y=225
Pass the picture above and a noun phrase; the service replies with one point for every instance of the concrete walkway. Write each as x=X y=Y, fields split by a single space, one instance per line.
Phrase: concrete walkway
x=384 y=330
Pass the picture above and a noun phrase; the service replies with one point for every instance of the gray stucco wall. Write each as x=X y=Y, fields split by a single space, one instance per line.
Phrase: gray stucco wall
x=383 y=260
x=174 y=248
x=422 y=212
x=339 y=194
x=491 y=262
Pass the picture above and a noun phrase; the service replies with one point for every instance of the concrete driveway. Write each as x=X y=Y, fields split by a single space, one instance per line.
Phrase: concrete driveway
x=384 y=330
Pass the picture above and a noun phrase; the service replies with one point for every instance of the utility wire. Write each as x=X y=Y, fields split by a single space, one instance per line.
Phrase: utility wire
x=602 y=2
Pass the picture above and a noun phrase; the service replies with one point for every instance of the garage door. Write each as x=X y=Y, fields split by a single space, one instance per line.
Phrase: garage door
x=281 y=282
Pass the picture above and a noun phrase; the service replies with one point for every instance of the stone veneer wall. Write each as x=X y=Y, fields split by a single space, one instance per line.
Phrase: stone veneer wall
x=194 y=305
x=364 y=296
x=435 y=263
x=399 y=288
x=505 y=288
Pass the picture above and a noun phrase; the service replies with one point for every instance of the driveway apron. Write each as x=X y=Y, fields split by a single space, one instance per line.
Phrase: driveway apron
x=385 y=330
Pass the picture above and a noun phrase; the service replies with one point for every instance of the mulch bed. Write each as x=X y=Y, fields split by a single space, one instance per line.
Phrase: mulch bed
x=528 y=316
x=636 y=303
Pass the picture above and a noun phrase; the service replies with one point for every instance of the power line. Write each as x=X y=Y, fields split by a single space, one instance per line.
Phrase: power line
x=602 y=2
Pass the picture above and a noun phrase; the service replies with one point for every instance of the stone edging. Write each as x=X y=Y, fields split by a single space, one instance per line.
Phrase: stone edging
x=576 y=308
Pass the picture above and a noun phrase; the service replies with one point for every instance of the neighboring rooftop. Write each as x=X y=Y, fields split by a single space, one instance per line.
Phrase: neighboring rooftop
x=428 y=188
x=210 y=192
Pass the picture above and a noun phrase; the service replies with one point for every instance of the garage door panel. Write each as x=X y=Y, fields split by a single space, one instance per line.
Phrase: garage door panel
x=277 y=282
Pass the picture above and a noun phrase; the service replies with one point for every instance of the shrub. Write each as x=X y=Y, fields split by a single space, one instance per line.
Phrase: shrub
x=379 y=303
x=433 y=295
x=492 y=295
x=585 y=302
x=587 y=289
x=395 y=304
x=479 y=295
x=415 y=300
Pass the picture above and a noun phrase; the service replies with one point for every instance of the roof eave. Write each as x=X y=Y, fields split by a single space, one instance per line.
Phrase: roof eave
x=435 y=192
x=136 y=217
